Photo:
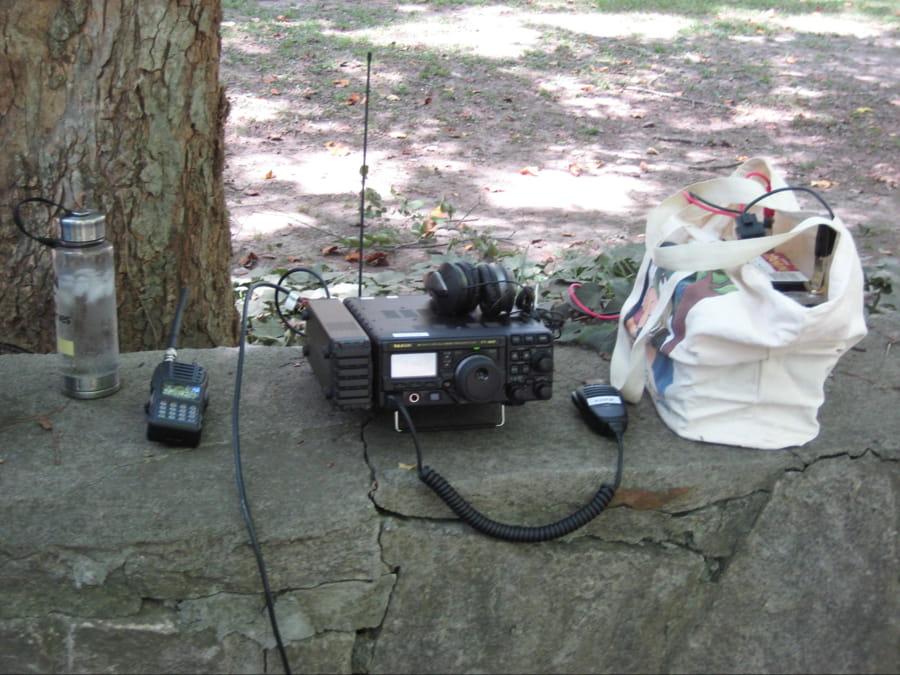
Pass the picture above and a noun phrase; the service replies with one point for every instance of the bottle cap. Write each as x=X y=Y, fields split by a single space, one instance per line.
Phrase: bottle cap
x=82 y=227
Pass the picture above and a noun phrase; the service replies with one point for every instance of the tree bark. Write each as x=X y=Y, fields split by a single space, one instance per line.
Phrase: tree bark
x=116 y=105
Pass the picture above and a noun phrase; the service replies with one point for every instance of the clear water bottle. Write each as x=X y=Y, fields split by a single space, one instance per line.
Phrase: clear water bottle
x=87 y=333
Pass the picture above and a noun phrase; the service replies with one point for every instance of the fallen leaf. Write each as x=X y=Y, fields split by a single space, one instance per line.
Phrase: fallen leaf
x=274 y=91
x=405 y=467
x=885 y=173
x=330 y=250
x=251 y=192
x=269 y=79
x=341 y=83
x=46 y=424
x=438 y=213
x=652 y=151
x=294 y=259
x=376 y=259
x=337 y=149
x=427 y=100
x=822 y=183
x=269 y=175
x=353 y=99
x=529 y=171
x=428 y=228
x=353 y=256
x=575 y=169
x=644 y=166
x=249 y=260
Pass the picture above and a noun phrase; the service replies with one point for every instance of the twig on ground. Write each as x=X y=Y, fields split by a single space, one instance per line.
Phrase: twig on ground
x=714 y=167
x=681 y=97
x=29 y=418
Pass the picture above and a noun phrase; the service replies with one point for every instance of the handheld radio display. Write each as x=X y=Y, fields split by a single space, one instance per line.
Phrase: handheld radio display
x=179 y=394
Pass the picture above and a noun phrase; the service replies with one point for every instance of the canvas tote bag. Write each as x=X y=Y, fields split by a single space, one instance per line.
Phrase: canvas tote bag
x=726 y=356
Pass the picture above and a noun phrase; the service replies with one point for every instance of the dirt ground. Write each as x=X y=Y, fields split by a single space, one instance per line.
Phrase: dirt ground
x=549 y=128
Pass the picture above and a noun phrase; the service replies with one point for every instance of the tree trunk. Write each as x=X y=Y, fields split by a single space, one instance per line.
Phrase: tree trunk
x=115 y=105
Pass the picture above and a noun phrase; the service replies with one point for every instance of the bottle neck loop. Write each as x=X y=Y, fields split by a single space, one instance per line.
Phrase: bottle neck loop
x=78 y=229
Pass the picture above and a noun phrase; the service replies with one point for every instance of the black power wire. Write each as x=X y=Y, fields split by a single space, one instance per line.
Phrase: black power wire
x=17 y=217
x=294 y=294
x=790 y=188
x=239 y=475
x=236 y=445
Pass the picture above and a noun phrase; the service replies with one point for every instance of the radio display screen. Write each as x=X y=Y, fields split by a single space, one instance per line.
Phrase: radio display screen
x=187 y=392
x=416 y=364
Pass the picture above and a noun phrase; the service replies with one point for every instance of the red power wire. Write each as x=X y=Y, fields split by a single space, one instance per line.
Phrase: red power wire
x=721 y=210
x=580 y=305
x=768 y=213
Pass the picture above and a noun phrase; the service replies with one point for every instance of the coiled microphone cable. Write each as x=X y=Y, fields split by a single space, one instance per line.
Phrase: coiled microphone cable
x=602 y=407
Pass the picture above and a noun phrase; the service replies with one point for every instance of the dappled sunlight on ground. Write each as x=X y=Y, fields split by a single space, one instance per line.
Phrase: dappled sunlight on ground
x=558 y=189
x=558 y=127
x=503 y=32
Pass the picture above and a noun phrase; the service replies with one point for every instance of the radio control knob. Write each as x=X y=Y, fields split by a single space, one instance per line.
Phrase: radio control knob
x=543 y=362
x=518 y=394
x=544 y=391
x=479 y=379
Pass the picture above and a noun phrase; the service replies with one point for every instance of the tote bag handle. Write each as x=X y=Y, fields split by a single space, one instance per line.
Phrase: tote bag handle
x=704 y=256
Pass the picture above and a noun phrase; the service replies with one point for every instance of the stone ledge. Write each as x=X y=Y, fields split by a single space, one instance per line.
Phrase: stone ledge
x=121 y=555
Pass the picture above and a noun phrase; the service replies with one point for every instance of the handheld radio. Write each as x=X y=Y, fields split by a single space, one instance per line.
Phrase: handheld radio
x=178 y=395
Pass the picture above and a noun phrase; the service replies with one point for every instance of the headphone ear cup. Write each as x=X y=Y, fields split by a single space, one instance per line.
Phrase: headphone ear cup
x=468 y=300
x=498 y=294
x=452 y=288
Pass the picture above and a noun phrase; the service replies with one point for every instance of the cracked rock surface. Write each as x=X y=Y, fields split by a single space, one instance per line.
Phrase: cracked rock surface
x=117 y=554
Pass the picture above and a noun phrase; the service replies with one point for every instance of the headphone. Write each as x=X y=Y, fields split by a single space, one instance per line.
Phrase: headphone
x=457 y=288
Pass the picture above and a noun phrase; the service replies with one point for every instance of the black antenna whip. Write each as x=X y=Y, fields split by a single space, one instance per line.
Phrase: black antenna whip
x=364 y=171
x=171 y=352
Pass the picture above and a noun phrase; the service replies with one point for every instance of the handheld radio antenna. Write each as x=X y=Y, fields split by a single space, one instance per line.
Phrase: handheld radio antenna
x=171 y=353
x=364 y=171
